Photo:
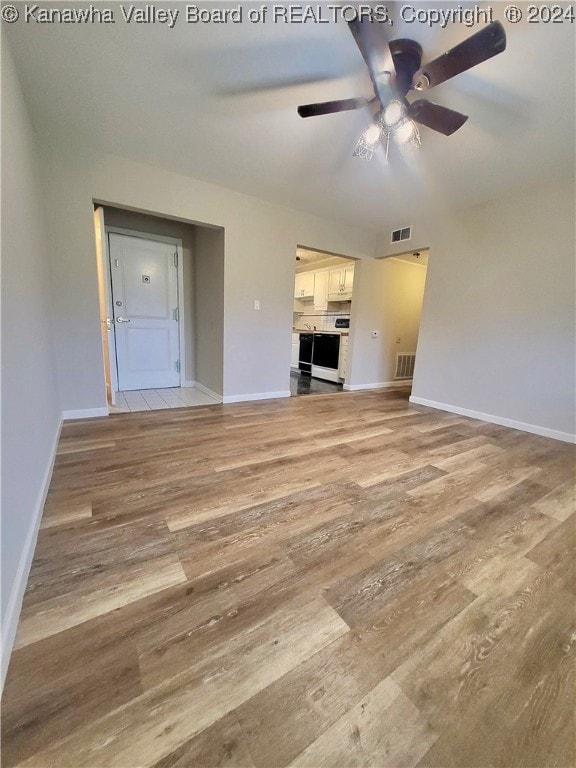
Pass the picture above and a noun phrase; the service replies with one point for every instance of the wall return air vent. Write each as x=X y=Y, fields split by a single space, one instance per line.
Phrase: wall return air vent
x=398 y=235
x=404 y=366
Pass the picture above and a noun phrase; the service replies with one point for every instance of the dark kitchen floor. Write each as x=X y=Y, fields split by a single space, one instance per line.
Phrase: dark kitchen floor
x=300 y=384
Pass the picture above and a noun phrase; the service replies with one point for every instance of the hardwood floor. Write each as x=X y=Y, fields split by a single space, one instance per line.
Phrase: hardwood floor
x=340 y=580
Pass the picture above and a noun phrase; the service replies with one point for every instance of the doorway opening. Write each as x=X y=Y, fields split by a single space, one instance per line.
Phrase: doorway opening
x=161 y=289
x=400 y=289
x=323 y=293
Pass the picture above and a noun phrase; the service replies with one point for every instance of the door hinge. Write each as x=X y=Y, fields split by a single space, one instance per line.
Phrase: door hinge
x=176 y=314
x=176 y=259
x=177 y=366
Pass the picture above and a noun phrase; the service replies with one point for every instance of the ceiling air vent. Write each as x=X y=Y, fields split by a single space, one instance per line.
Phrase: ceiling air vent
x=398 y=235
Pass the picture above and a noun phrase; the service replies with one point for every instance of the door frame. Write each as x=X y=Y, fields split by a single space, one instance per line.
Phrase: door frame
x=180 y=272
x=105 y=302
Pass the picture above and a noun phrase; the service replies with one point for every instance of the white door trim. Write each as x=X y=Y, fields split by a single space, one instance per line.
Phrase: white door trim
x=104 y=258
x=159 y=239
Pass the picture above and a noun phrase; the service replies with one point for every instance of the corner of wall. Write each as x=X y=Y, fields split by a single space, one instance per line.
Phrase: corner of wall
x=14 y=605
x=30 y=396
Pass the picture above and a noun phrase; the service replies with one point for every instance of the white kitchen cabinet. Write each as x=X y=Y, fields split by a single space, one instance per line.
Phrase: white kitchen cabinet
x=348 y=280
x=304 y=285
x=340 y=284
x=295 y=350
x=321 y=290
x=343 y=360
x=334 y=282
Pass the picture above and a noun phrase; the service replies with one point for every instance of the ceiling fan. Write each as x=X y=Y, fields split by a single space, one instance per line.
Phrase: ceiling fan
x=395 y=68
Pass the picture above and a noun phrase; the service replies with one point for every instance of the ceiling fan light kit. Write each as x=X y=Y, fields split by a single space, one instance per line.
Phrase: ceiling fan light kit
x=390 y=122
x=393 y=112
x=395 y=69
x=407 y=132
x=367 y=143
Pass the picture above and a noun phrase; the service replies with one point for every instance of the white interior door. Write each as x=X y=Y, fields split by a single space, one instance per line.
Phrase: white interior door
x=146 y=316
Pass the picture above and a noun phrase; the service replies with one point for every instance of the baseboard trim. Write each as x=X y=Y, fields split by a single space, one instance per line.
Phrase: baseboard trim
x=10 y=620
x=84 y=413
x=377 y=385
x=188 y=384
x=255 y=396
x=208 y=391
x=534 y=429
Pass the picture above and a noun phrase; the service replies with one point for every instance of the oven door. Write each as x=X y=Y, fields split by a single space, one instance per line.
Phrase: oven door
x=325 y=356
x=305 y=355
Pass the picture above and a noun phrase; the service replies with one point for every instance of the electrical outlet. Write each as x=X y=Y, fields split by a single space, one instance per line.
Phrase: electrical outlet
x=256 y=304
x=398 y=339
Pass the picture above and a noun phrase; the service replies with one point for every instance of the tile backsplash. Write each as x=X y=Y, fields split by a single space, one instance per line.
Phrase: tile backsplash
x=323 y=321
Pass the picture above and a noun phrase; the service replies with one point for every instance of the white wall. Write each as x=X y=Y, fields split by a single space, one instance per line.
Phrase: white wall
x=30 y=403
x=388 y=297
x=260 y=245
x=497 y=334
x=498 y=325
x=422 y=230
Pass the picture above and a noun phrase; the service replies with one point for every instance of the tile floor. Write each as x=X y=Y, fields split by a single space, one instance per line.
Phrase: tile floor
x=302 y=384
x=186 y=397
x=158 y=399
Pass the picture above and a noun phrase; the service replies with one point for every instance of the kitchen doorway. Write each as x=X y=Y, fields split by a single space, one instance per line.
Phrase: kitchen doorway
x=323 y=292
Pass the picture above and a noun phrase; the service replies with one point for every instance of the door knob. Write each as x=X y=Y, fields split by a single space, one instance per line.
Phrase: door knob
x=122 y=320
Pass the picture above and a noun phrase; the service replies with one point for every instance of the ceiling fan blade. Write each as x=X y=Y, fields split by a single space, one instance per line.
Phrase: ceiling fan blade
x=483 y=45
x=373 y=44
x=438 y=118
x=328 y=107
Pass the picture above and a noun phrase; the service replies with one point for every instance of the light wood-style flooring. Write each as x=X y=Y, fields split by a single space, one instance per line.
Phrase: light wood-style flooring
x=340 y=580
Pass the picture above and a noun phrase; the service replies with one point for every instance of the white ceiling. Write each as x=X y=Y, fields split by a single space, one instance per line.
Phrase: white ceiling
x=306 y=258
x=218 y=102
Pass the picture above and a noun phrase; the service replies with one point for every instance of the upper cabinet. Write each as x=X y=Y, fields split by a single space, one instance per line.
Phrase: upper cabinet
x=321 y=290
x=324 y=285
x=304 y=285
x=340 y=283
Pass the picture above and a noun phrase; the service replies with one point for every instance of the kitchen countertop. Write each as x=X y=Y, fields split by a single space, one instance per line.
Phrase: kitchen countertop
x=341 y=332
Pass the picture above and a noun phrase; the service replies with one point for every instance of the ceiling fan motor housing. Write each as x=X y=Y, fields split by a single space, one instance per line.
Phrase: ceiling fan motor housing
x=407 y=58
